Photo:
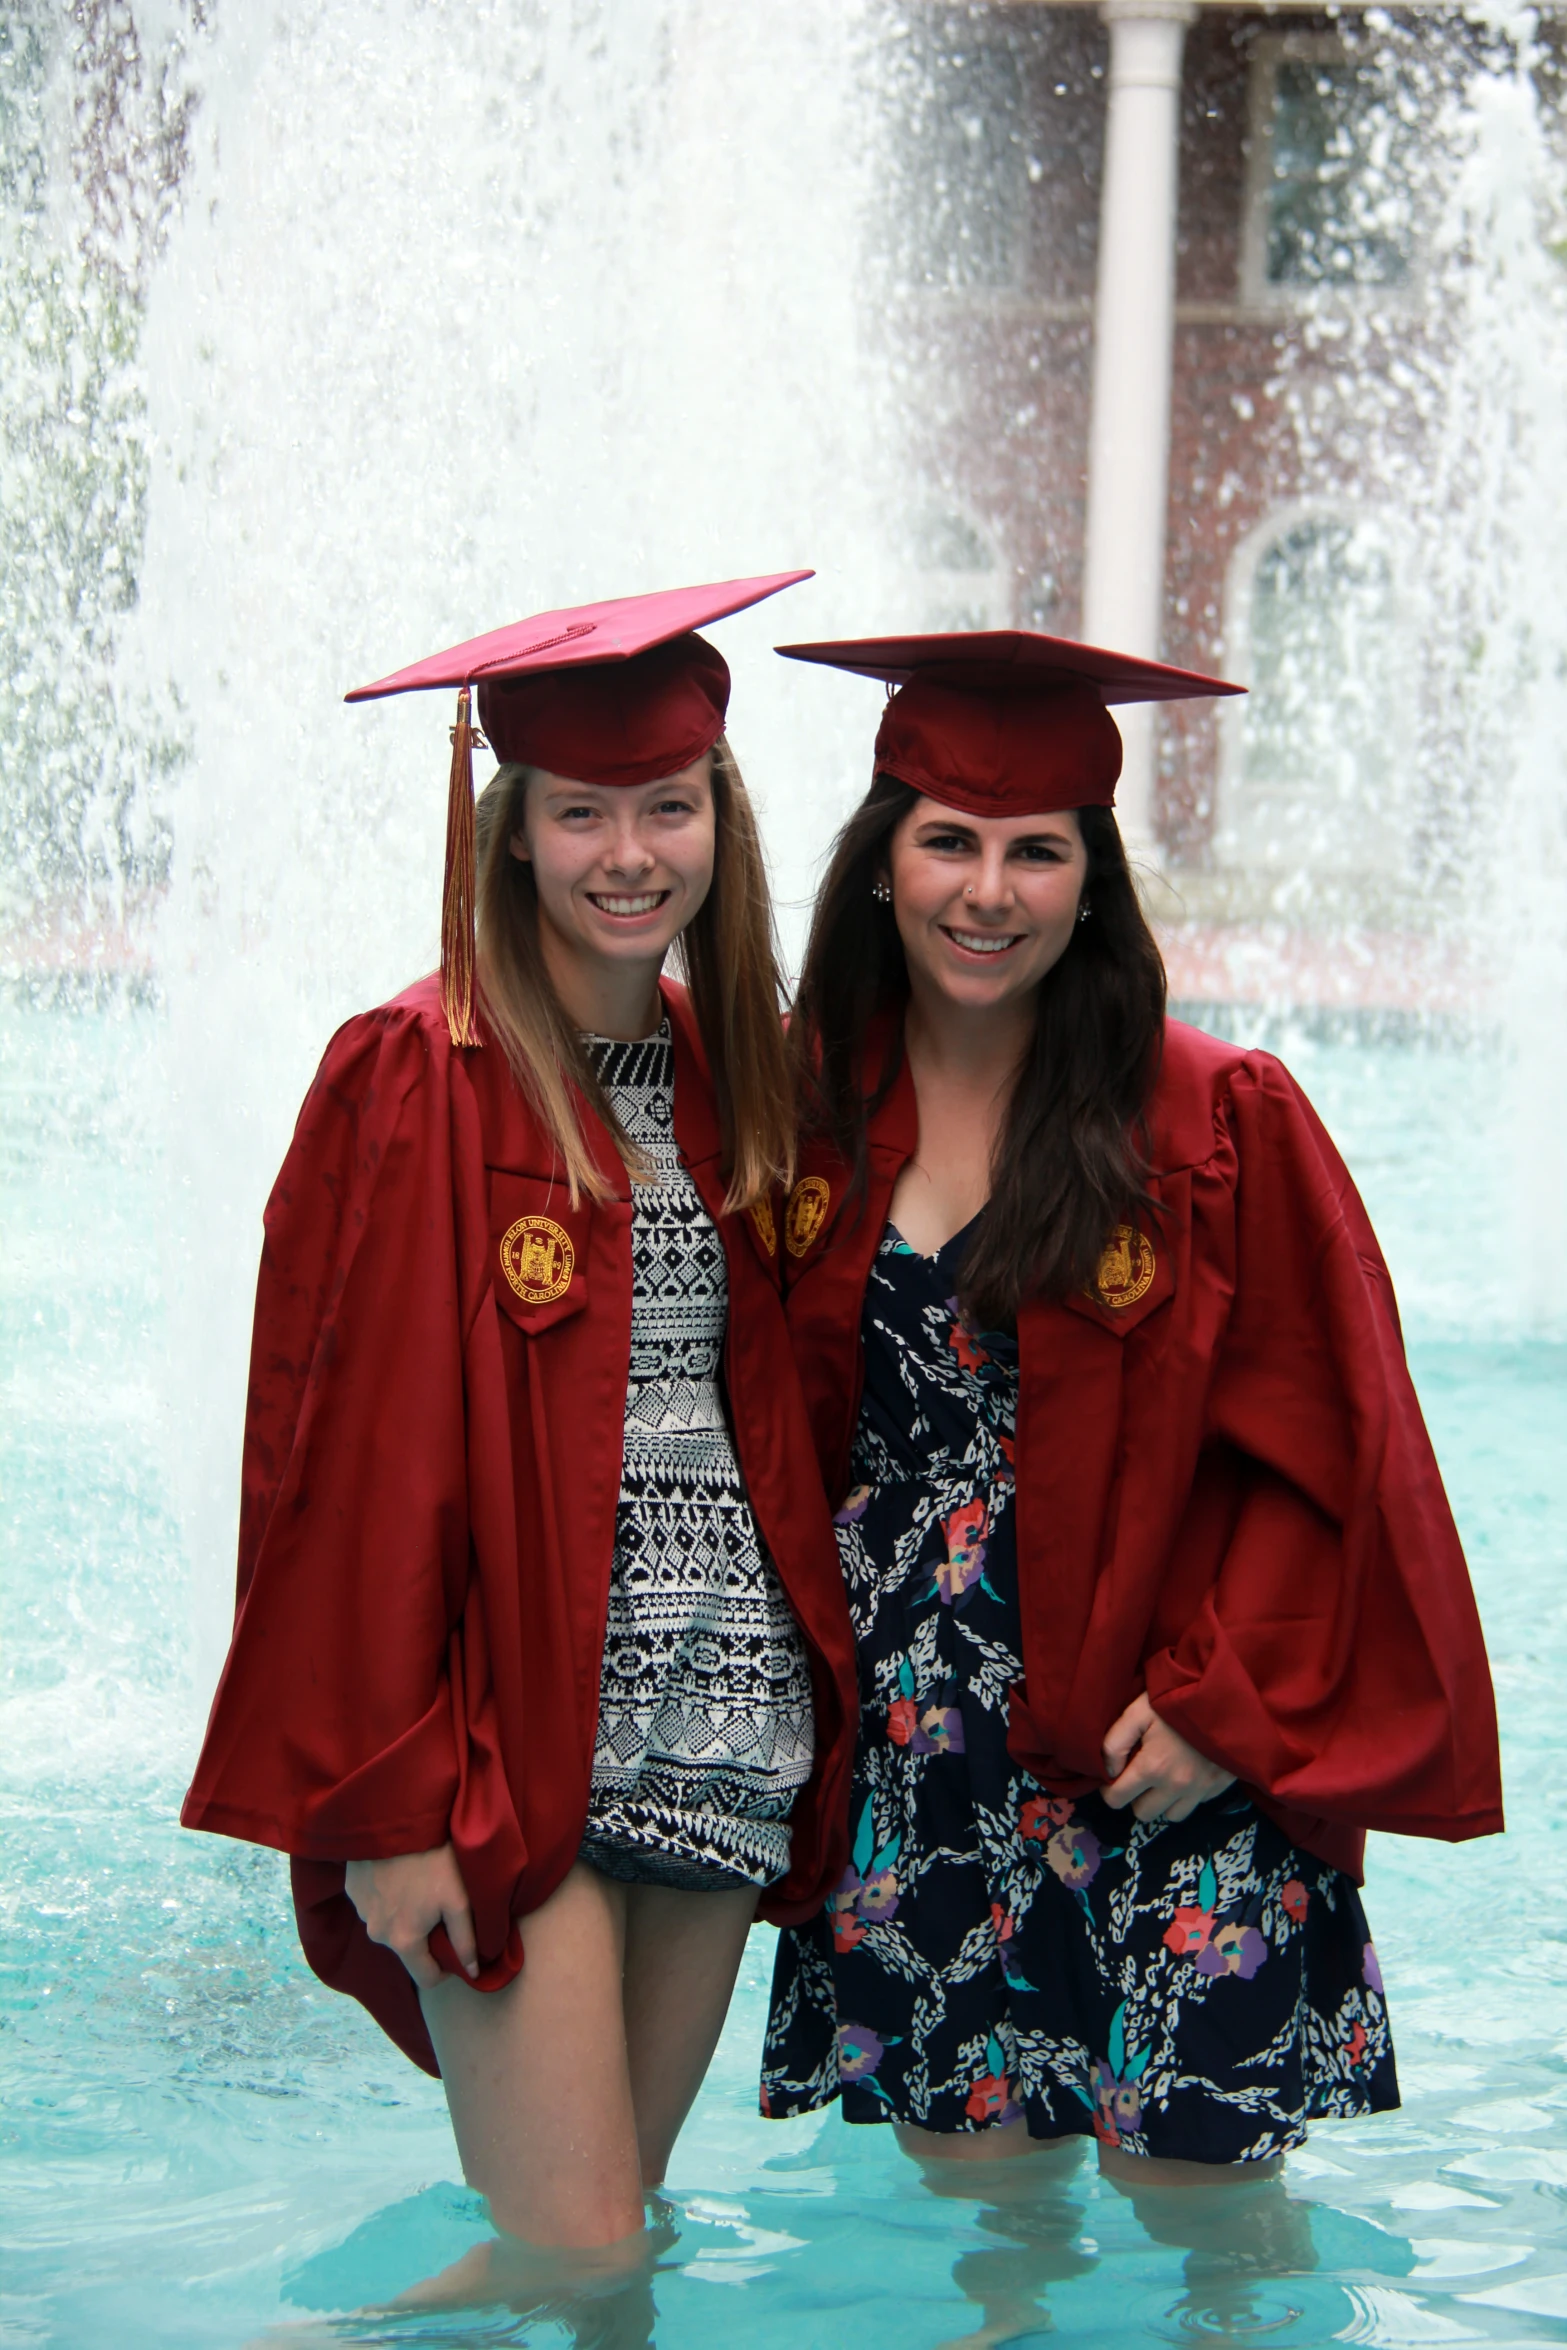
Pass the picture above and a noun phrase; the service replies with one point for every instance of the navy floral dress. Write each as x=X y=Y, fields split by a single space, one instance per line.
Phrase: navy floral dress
x=1197 y=1990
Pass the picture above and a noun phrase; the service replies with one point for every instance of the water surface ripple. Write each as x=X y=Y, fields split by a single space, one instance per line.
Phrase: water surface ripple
x=202 y=2147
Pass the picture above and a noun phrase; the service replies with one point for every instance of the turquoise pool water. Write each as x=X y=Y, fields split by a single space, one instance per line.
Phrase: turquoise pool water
x=202 y=2148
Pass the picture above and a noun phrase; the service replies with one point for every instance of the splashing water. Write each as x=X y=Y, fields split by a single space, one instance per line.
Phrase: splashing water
x=1458 y=457
x=423 y=345
x=1506 y=434
x=411 y=356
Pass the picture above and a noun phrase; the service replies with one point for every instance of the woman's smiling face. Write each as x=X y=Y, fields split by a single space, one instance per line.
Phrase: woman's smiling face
x=985 y=905
x=620 y=870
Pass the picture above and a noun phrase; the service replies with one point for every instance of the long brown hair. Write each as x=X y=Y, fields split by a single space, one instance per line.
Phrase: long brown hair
x=1071 y=1157
x=728 y=957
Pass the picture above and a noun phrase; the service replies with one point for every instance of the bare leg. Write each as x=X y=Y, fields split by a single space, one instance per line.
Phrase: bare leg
x=1130 y=2171
x=537 y=2080
x=1028 y=2209
x=1003 y=2141
x=682 y=1954
x=1234 y=2221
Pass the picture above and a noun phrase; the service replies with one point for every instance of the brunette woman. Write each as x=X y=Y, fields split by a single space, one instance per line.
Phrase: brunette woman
x=541 y=1669
x=1158 y=1600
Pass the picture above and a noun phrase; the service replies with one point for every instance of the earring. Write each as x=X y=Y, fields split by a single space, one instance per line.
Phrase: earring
x=1084 y=910
x=881 y=891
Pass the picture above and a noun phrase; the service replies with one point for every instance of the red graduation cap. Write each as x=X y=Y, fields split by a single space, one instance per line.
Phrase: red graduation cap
x=1004 y=721
x=619 y=693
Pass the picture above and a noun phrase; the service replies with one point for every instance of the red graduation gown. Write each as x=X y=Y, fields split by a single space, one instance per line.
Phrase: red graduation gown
x=431 y=1468
x=1225 y=1491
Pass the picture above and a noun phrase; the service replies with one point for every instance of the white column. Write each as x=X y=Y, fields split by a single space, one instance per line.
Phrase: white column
x=1134 y=327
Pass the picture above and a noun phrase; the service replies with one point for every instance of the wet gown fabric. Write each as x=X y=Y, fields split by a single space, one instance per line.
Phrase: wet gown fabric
x=1195 y=1990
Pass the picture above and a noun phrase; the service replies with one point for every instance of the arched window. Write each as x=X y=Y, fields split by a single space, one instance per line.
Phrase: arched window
x=1313 y=780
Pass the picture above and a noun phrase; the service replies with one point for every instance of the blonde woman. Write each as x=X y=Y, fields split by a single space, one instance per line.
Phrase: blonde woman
x=542 y=1670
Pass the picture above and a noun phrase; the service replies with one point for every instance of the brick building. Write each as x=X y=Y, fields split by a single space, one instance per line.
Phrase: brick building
x=1176 y=348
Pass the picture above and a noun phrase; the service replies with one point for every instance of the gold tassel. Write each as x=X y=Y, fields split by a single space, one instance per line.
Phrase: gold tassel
x=458 y=949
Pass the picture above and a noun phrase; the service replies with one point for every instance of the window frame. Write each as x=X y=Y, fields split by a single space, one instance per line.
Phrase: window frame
x=1257 y=290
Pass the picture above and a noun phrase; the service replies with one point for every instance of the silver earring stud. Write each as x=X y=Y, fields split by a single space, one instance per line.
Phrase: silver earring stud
x=1084 y=910
x=881 y=891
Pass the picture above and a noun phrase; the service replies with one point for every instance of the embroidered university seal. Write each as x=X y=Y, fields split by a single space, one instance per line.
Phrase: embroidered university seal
x=537 y=1259
x=808 y=1205
x=762 y=1218
x=1126 y=1268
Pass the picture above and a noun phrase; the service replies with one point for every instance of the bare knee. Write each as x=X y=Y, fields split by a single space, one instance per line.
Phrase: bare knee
x=1003 y=2142
x=1131 y=2171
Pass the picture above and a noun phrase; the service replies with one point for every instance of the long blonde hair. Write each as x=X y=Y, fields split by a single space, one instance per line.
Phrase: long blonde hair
x=728 y=958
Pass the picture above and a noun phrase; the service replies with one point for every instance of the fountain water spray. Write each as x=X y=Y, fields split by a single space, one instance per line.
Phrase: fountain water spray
x=1502 y=569
x=465 y=317
x=467 y=311
x=1406 y=773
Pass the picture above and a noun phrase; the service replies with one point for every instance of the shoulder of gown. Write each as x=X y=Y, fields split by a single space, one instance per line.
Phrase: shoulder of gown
x=330 y=1734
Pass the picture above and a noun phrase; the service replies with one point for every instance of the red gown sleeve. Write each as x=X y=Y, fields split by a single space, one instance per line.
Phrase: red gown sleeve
x=332 y=1733
x=1336 y=1661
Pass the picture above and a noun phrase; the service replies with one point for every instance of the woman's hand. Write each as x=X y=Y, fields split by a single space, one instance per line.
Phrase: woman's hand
x=402 y=1901
x=1151 y=1767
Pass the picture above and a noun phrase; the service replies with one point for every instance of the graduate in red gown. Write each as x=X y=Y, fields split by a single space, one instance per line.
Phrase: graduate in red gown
x=1158 y=1599
x=541 y=1669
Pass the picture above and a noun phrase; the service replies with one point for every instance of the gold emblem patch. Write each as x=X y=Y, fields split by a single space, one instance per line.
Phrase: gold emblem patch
x=762 y=1218
x=537 y=1259
x=1126 y=1268
x=808 y=1205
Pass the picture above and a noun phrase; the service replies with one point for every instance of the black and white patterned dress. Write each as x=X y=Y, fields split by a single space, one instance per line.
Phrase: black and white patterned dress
x=705 y=1730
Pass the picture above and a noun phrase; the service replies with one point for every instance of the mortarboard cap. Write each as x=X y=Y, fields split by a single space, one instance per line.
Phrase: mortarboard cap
x=619 y=693
x=1005 y=722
